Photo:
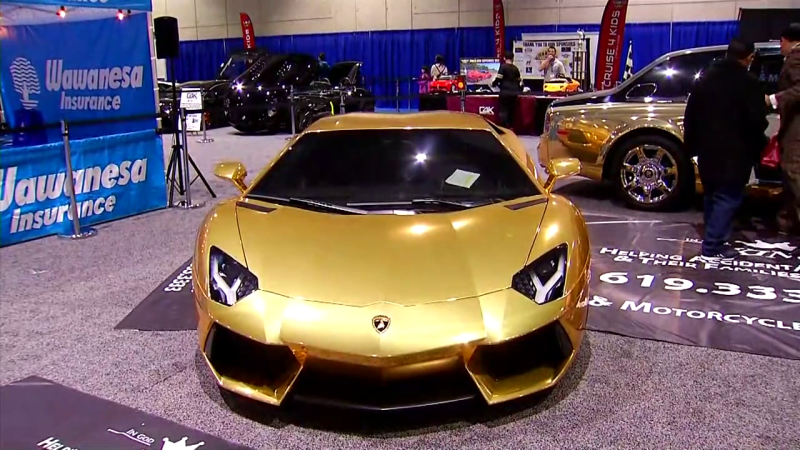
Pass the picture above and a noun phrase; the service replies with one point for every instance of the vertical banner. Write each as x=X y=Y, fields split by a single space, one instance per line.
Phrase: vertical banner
x=499 y=21
x=248 y=34
x=609 y=52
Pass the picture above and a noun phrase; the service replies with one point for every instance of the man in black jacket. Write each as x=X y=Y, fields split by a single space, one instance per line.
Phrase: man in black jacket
x=510 y=82
x=724 y=125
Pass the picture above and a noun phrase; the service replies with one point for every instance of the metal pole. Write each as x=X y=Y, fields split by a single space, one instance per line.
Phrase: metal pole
x=397 y=94
x=205 y=139
x=341 y=102
x=187 y=195
x=409 y=93
x=463 y=100
x=73 y=204
x=291 y=107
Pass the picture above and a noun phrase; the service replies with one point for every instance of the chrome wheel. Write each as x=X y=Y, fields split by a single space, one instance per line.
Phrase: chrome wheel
x=649 y=174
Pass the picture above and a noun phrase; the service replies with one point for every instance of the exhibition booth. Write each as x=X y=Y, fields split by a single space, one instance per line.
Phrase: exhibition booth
x=78 y=94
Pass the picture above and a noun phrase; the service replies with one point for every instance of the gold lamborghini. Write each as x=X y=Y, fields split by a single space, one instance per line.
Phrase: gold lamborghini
x=384 y=262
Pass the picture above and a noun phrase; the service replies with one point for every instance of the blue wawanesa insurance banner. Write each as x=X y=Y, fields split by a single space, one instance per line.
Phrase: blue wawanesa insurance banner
x=114 y=177
x=77 y=71
x=133 y=5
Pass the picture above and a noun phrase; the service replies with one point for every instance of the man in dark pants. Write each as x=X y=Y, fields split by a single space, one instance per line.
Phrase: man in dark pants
x=510 y=82
x=724 y=125
x=787 y=102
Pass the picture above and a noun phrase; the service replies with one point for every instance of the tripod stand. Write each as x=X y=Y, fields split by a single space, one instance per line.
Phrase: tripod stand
x=179 y=158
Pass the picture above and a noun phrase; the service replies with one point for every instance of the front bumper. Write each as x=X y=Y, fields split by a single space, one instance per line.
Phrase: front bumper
x=551 y=147
x=500 y=347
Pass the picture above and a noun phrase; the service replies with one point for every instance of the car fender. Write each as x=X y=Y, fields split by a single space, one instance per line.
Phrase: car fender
x=636 y=126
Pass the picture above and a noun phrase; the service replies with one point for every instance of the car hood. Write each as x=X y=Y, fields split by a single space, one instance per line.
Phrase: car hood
x=585 y=98
x=360 y=260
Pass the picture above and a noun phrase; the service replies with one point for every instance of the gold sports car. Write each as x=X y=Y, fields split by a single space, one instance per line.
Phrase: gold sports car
x=383 y=262
x=562 y=86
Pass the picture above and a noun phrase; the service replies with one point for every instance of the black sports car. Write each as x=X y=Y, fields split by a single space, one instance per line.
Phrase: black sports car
x=215 y=91
x=259 y=99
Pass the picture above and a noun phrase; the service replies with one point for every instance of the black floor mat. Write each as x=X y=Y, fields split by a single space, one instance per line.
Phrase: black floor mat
x=38 y=413
x=170 y=307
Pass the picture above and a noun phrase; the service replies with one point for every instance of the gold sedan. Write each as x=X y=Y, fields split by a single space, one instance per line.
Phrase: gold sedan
x=393 y=261
x=632 y=135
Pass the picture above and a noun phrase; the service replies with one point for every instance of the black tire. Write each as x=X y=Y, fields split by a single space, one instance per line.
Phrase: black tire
x=678 y=187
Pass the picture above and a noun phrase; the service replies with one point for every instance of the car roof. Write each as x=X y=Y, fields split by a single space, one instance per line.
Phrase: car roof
x=426 y=119
x=764 y=47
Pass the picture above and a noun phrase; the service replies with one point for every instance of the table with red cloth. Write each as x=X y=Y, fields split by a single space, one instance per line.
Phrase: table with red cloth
x=489 y=106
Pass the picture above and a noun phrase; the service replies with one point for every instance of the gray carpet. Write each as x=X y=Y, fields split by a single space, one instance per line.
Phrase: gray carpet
x=59 y=302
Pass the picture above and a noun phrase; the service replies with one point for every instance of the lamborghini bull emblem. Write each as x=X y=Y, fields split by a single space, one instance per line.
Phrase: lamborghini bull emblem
x=381 y=323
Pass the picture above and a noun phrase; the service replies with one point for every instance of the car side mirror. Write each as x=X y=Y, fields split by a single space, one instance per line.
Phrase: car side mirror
x=561 y=168
x=232 y=171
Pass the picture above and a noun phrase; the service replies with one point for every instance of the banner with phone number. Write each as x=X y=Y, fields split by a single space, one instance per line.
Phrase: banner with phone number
x=649 y=282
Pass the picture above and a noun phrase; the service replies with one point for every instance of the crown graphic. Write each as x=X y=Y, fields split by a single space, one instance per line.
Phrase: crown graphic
x=180 y=445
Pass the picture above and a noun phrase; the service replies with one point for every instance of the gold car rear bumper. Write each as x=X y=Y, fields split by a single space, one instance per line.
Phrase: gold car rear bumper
x=500 y=346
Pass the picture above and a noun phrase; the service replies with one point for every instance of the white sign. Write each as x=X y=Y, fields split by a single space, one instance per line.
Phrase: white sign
x=192 y=122
x=486 y=110
x=191 y=99
x=530 y=51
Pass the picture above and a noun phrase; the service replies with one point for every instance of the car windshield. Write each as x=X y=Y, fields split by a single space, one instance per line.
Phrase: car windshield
x=237 y=65
x=386 y=171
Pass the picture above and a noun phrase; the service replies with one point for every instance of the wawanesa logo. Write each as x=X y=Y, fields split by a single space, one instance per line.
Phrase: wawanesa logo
x=29 y=191
x=25 y=81
x=64 y=80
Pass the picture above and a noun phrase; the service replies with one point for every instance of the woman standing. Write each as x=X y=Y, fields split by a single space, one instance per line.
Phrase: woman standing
x=424 y=80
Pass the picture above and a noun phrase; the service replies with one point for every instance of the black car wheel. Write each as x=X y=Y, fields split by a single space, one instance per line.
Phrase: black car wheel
x=652 y=173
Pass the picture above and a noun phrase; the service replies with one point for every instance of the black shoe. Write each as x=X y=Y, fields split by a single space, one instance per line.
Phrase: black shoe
x=725 y=254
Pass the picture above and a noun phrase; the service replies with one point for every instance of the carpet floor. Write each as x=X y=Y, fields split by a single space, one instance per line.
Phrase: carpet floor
x=60 y=300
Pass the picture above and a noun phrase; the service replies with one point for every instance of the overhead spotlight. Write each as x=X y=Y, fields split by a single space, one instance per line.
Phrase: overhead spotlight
x=120 y=14
x=62 y=12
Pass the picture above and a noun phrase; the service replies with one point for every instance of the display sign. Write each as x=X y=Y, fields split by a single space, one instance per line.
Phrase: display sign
x=78 y=71
x=612 y=37
x=193 y=122
x=499 y=23
x=648 y=281
x=479 y=71
x=248 y=34
x=191 y=99
x=115 y=177
x=531 y=50
x=44 y=415
x=133 y=5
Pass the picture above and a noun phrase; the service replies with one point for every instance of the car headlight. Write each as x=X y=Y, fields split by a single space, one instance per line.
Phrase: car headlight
x=229 y=280
x=543 y=280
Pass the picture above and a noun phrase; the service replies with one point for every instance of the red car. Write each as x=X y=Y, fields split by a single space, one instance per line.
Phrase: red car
x=476 y=76
x=448 y=84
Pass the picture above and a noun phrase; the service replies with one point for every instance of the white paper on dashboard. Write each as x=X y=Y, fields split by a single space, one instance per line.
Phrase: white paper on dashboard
x=462 y=178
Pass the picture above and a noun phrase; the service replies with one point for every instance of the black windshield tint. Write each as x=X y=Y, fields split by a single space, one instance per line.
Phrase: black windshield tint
x=397 y=165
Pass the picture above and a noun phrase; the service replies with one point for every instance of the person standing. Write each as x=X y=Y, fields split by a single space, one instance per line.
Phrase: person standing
x=724 y=126
x=324 y=68
x=787 y=103
x=510 y=83
x=424 y=80
x=439 y=69
x=551 y=67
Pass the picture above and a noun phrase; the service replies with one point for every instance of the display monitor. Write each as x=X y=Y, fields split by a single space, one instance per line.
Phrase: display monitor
x=479 y=70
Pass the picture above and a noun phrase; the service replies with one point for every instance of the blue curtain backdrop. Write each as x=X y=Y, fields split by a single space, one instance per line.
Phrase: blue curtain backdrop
x=389 y=55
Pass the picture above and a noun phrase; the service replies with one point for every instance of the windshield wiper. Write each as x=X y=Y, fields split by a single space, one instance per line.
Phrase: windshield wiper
x=429 y=201
x=309 y=202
